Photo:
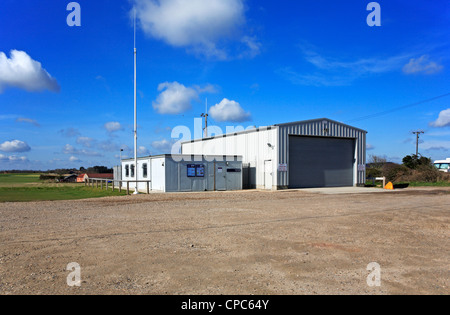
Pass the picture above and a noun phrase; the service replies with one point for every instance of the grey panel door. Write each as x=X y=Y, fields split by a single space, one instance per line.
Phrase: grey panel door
x=185 y=182
x=221 y=173
x=321 y=162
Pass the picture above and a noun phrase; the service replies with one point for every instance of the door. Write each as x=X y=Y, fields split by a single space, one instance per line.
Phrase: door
x=321 y=162
x=268 y=175
x=220 y=176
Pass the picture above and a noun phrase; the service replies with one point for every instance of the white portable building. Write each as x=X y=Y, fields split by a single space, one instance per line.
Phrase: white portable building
x=182 y=173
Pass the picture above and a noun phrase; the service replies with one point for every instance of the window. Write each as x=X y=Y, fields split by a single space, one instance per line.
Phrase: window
x=145 y=170
x=127 y=170
x=132 y=170
x=445 y=166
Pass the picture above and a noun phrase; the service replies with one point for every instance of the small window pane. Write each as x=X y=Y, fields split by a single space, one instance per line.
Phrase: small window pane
x=145 y=170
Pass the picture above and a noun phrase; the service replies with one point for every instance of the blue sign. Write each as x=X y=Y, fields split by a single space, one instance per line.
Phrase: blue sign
x=194 y=170
x=191 y=170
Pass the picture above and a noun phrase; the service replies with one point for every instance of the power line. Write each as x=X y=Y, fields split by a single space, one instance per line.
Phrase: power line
x=398 y=108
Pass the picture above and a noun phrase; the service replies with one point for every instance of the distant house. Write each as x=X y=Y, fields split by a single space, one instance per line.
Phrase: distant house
x=84 y=177
x=80 y=178
x=69 y=179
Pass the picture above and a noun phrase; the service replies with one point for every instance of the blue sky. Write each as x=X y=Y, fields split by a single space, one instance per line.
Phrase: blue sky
x=66 y=93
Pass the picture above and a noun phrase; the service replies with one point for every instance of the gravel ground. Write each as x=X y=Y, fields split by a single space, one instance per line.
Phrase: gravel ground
x=252 y=242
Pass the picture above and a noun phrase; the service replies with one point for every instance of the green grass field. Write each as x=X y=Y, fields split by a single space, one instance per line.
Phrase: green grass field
x=28 y=187
x=18 y=179
x=412 y=184
x=424 y=184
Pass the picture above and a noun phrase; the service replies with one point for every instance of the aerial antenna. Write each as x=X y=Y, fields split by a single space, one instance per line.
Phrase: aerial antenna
x=136 y=170
x=206 y=119
x=134 y=21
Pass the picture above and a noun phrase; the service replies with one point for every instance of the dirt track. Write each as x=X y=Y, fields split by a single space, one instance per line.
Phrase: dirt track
x=251 y=242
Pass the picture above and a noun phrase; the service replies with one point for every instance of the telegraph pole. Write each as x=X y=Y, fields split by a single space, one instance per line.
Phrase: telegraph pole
x=418 y=133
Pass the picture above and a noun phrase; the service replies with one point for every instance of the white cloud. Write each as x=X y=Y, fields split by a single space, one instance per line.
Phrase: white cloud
x=229 y=111
x=174 y=98
x=208 y=88
x=107 y=146
x=113 y=126
x=435 y=145
x=443 y=120
x=253 y=47
x=74 y=159
x=28 y=121
x=143 y=151
x=14 y=146
x=13 y=158
x=329 y=71
x=199 y=25
x=7 y=117
x=439 y=133
x=315 y=79
x=70 y=132
x=370 y=147
x=85 y=141
x=163 y=146
x=360 y=66
x=422 y=65
x=20 y=71
x=71 y=150
x=102 y=146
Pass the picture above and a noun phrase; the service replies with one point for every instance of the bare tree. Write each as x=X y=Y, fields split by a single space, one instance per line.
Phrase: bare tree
x=377 y=161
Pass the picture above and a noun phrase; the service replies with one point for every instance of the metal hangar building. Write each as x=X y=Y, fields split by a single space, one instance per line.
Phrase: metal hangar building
x=304 y=154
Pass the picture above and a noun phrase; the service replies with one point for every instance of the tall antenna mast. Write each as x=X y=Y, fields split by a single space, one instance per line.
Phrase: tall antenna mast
x=136 y=170
x=206 y=119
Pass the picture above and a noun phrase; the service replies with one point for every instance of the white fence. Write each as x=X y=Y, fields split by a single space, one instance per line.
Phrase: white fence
x=111 y=183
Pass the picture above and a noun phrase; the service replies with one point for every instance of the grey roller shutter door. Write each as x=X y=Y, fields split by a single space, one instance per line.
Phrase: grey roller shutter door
x=321 y=162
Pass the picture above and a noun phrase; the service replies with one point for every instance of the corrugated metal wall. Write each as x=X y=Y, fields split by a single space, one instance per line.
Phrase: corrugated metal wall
x=213 y=179
x=321 y=128
x=252 y=146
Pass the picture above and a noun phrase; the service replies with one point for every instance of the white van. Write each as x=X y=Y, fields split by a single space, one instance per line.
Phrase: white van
x=443 y=165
